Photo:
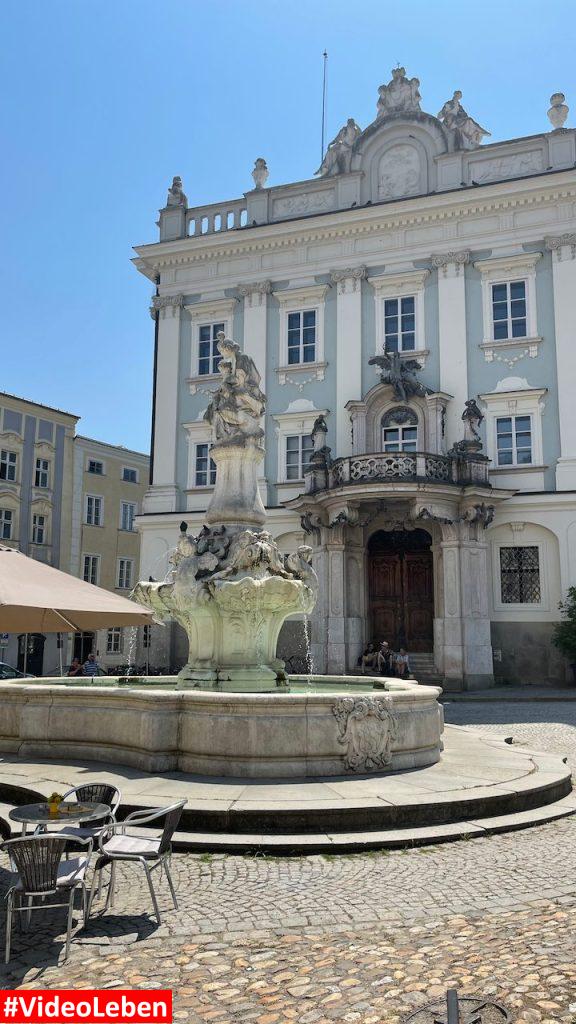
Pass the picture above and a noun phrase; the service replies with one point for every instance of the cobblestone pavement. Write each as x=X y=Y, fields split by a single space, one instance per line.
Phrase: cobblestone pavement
x=361 y=938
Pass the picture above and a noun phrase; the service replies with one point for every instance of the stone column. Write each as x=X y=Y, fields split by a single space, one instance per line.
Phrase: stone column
x=163 y=496
x=563 y=250
x=463 y=632
x=452 y=332
x=348 y=350
x=255 y=329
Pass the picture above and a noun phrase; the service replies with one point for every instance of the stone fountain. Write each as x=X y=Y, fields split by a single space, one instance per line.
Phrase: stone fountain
x=229 y=587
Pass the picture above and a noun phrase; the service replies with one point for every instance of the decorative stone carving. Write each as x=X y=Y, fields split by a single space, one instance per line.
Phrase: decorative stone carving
x=260 y=173
x=450 y=260
x=349 y=276
x=237 y=406
x=399 y=172
x=305 y=202
x=255 y=292
x=339 y=152
x=400 y=414
x=472 y=441
x=557 y=243
x=176 y=196
x=163 y=304
x=482 y=514
x=513 y=166
x=401 y=375
x=367 y=727
x=468 y=133
x=401 y=95
x=558 y=111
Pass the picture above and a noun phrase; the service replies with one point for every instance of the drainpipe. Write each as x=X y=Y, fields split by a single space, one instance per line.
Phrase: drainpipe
x=154 y=374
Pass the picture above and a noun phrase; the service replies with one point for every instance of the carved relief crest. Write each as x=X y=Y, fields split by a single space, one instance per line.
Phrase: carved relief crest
x=367 y=727
x=399 y=172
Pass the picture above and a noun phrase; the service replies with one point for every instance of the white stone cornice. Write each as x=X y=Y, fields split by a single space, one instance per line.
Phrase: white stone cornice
x=295 y=297
x=211 y=309
x=396 y=284
x=513 y=264
x=451 y=264
x=348 y=279
x=255 y=293
x=562 y=245
x=164 y=304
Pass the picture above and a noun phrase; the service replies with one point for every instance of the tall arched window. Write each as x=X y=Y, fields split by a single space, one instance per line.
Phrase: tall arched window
x=400 y=430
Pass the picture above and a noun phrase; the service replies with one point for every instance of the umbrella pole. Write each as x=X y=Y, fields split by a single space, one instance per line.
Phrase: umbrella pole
x=25 y=652
x=60 y=642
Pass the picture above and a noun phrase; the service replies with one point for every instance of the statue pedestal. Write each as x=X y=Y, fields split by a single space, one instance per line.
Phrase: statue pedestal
x=236 y=499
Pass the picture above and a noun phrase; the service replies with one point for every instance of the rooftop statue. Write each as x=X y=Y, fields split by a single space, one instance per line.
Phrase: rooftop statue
x=237 y=406
x=453 y=116
x=400 y=95
x=260 y=172
x=559 y=110
x=401 y=375
x=176 y=196
x=339 y=153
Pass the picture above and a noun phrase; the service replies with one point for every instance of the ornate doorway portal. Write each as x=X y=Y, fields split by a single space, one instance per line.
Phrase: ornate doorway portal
x=401 y=591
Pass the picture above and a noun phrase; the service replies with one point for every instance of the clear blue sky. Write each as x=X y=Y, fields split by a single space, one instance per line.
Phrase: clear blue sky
x=102 y=102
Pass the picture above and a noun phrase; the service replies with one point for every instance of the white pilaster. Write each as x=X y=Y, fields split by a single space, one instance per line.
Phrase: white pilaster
x=452 y=331
x=563 y=250
x=163 y=494
x=348 y=350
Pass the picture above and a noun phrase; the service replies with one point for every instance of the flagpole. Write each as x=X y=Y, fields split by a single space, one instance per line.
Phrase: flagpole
x=325 y=58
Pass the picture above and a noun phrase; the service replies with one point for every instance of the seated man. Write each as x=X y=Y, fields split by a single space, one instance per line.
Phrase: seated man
x=385 y=657
x=369 y=658
x=402 y=663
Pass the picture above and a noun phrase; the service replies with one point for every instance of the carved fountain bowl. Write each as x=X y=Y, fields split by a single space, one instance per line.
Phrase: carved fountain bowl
x=332 y=726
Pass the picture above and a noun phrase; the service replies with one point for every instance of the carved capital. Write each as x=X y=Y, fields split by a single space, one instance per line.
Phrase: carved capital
x=559 y=244
x=450 y=263
x=162 y=305
x=349 y=278
x=255 y=292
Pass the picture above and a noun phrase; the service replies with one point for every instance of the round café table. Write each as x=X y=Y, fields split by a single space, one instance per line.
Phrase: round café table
x=69 y=812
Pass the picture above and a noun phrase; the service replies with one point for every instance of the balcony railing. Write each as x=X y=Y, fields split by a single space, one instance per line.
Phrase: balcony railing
x=399 y=467
x=225 y=216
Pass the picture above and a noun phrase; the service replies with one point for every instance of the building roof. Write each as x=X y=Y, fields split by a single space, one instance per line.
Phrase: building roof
x=116 y=449
x=39 y=405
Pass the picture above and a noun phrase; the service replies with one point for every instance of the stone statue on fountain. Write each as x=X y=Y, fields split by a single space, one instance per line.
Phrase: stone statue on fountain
x=229 y=587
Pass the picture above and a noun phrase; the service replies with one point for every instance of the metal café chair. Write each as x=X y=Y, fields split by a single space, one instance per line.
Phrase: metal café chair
x=41 y=872
x=116 y=843
x=98 y=793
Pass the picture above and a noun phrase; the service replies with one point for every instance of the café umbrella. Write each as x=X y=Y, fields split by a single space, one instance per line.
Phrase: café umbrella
x=37 y=598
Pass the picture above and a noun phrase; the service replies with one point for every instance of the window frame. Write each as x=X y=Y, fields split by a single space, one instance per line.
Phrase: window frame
x=214 y=311
x=114 y=633
x=519 y=604
x=10 y=461
x=400 y=427
x=97 y=462
x=302 y=343
x=514 y=435
x=507 y=283
x=411 y=284
x=301 y=466
x=130 y=469
x=94 y=560
x=298 y=419
x=121 y=564
x=500 y=404
x=39 y=529
x=127 y=504
x=94 y=498
x=39 y=471
x=7 y=522
x=210 y=471
x=300 y=300
x=505 y=270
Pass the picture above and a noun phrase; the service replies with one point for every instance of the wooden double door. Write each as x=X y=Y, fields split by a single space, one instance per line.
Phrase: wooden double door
x=401 y=589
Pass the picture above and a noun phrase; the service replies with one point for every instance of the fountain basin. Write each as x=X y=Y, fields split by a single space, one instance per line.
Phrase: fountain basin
x=345 y=729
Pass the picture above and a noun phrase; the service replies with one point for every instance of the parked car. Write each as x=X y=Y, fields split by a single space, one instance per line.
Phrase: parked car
x=8 y=672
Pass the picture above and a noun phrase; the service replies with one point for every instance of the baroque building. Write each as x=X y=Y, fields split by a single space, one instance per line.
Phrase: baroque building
x=411 y=309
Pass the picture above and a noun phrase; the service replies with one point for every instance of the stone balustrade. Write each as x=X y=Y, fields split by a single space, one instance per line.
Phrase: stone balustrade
x=225 y=216
x=397 y=467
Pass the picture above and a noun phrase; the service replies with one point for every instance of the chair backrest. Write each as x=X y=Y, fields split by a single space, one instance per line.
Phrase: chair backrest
x=36 y=860
x=97 y=793
x=173 y=815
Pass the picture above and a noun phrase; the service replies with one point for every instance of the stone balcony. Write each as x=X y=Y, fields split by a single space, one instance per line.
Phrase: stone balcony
x=399 y=467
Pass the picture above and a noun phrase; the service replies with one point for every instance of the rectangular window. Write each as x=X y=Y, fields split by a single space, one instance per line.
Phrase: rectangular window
x=6 y=520
x=38 y=529
x=400 y=324
x=130 y=475
x=125 y=573
x=41 y=478
x=7 y=465
x=302 y=337
x=94 y=510
x=127 y=513
x=114 y=640
x=520 y=575
x=299 y=448
x=95 y=467
x=514 y=440
x=208 y=354
x=205 y=467
x=400 y=439
x=509 y=310
x=91 y=569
